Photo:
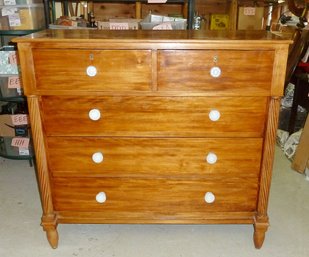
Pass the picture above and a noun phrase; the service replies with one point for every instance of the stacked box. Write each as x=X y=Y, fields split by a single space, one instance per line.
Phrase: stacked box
x=8 y=60
x=22 y=17
x=10 y=86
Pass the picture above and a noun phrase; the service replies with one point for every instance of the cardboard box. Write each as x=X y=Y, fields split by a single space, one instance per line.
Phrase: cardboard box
x=22 y=17
x=250 y=18
x=5 y=123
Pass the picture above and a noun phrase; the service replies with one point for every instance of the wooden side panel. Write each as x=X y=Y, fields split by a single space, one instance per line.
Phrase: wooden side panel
x=180 y=157
x=116 y=70
x=155 y=116
x=182 y=70
x=152 y=199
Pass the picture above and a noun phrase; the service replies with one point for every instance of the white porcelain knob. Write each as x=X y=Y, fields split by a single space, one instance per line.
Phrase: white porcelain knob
x=101 y=197
x=209 y=197
x=91 y=71
x=215 y=72
x=94 y=114
x=97 y=157
x=211 y=158
x=214 y=115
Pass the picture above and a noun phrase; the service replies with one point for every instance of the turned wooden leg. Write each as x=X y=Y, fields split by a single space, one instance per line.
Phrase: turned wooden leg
x=49 y=224
x=52 y=237
x=260 y=229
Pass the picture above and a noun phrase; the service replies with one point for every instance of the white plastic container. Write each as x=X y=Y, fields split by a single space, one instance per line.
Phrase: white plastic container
x=152 y=21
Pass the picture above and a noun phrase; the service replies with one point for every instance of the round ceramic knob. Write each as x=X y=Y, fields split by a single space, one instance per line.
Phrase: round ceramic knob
x=215 y=72
x=214 y=115
x=101 y=197
x=97 y=157
x=91 y=71
x=211 y=158
x=94 y=114
x=209 y=197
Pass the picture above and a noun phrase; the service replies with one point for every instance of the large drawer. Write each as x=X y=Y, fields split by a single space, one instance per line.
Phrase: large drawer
x=151 y=157
x=115 y=69
x=154 y=116
x=152 y=199
x=242 y=72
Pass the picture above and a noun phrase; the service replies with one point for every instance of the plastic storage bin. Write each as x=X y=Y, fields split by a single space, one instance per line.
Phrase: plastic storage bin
x=22 y=17
x=152 y=21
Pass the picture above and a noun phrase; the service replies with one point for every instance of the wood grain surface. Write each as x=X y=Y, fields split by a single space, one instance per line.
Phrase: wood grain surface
x=154 y=116
x=154 y=157
x=116 y=70
x=152 y=198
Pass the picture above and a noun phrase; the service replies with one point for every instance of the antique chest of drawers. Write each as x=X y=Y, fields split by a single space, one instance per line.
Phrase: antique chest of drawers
x=172 y=127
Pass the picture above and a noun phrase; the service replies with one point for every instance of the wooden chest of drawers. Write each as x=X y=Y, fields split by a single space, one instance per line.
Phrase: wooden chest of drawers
x=153 y=126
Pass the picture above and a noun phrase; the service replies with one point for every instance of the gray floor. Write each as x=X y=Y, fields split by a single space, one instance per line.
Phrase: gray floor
x=21 y=234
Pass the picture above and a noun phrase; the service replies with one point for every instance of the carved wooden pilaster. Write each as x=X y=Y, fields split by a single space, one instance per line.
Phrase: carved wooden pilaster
x=261 y=220
x=49 y=219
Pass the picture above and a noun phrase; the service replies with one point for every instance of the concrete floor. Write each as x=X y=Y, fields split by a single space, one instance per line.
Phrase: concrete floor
x=22 y=236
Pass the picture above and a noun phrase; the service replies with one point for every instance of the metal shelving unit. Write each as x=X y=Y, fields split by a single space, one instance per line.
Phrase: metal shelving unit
x=13 y=102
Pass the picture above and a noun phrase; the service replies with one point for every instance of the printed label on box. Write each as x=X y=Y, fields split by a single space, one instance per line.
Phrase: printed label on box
x=9 y=2
x=249 y=11
x=20 y=142
x=8 y=11
x=119 y=26
x=14 y=82
x=14 y=20
x=19 y=119
x=23 y=151
x=13 y=58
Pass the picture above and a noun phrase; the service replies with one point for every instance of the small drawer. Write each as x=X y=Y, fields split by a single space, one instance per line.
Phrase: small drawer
x=154 y=116
x=154 y=157
x=225 y=71
x=99 y=70
x=153 y=199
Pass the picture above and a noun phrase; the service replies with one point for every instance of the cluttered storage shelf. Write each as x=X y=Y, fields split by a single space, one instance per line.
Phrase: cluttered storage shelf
x=15 y=136
x=127 y=10
x=199 y=14
x=17 y=18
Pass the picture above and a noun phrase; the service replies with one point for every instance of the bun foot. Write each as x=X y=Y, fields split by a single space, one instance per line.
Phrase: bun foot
x=52 y=237
x=49 y=223
x=259 y=234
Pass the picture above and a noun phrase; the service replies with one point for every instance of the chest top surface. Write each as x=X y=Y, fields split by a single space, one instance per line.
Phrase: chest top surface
x=84 y=38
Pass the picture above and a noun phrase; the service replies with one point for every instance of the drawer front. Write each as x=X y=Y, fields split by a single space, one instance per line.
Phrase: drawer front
x=115 y=70
x=151 y=157
x=154 y=116
x=152 y=199
x=242 y=72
